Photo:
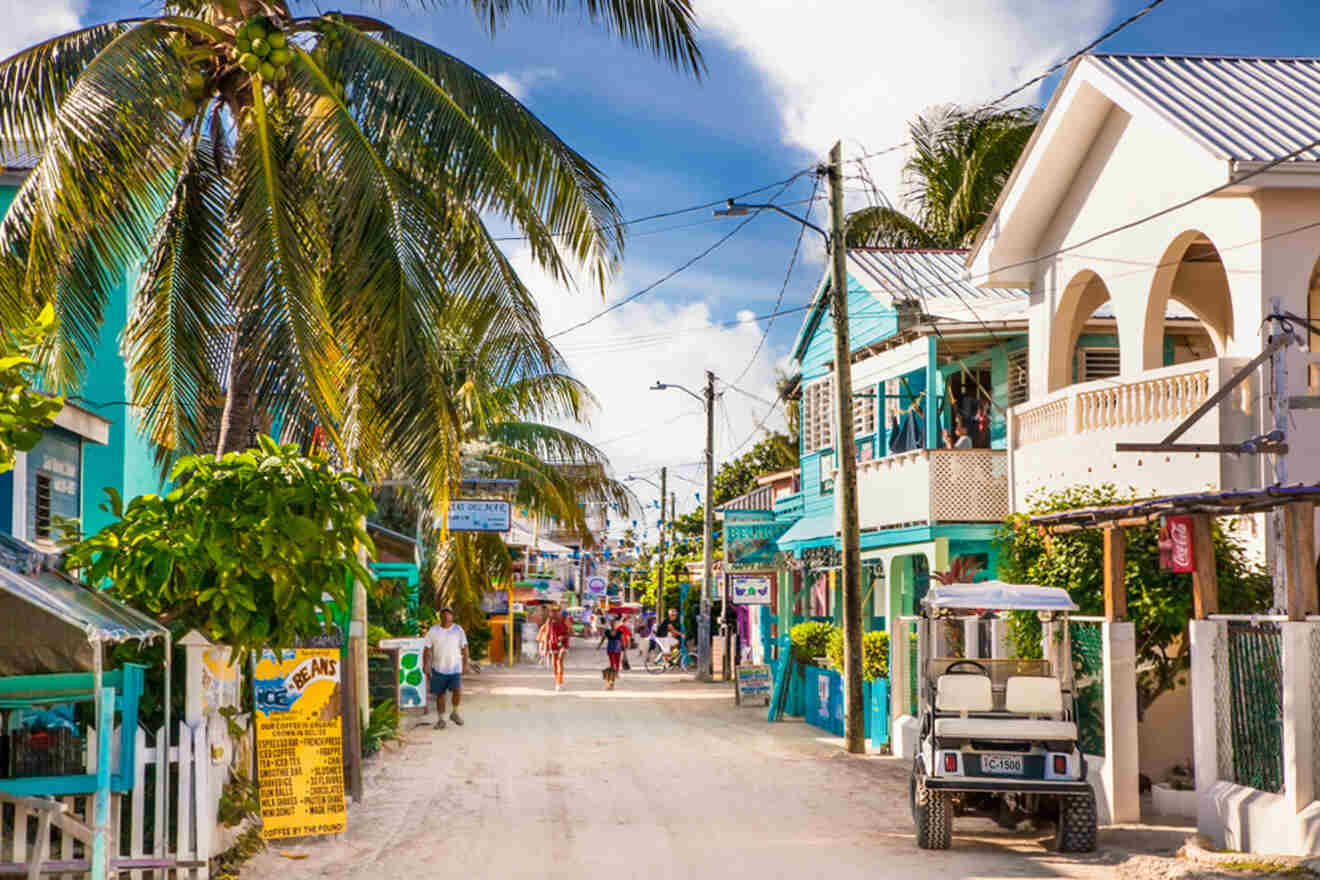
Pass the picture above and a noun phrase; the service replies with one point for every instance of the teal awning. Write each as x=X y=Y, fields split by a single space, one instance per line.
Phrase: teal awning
x=818 y=528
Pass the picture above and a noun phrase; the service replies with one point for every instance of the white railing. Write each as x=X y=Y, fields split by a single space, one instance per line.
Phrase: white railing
x=1068 y=437
x=935 y=485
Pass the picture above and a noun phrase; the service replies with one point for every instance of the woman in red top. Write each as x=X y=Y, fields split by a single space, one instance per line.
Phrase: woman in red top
x=556 y=639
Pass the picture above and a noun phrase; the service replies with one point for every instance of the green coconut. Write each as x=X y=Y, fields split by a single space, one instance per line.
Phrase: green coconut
x=279 y=57
x=249 y=62
x=260 y=48
x=267 y=70
x=276 y=39
x=243 y=44
x=255 y=31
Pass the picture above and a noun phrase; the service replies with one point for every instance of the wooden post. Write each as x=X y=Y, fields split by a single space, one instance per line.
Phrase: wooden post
x=1299 y=545
x=1115 y=574
x=1205 y=580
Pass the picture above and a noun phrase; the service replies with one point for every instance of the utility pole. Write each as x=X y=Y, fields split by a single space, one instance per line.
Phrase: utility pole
x=660 y=569
x=845 y=451
x=1279 y=400
x=707 y=530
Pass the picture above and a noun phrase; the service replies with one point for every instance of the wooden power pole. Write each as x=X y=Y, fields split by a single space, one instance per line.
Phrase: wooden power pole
x=845 y=451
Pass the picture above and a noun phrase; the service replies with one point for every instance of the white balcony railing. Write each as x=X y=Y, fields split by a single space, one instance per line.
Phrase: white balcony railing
x=1067 y=438
x=932 y=485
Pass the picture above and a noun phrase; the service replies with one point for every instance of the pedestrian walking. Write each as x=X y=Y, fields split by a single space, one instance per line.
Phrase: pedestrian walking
x=613 y=640
x=556 y=638
x=446 y=656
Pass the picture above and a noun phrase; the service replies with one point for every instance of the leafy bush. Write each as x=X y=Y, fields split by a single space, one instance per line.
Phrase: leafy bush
x=810 y=640
x=479 y=636
x=243 y=550
x=1159 y=602
x=382 y=725
x=23 y=412
x=875 y=653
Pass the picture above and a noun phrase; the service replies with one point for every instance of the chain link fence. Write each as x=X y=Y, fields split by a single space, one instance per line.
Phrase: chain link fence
x=1088 y=658
x=1255 y=704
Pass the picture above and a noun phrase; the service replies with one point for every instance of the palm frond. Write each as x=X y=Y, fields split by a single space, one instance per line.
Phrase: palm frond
x=882 y=226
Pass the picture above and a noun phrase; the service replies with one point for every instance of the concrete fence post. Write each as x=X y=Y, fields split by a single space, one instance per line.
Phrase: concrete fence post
x=1121 y=769
x=1205 y=724
x=1298 y=784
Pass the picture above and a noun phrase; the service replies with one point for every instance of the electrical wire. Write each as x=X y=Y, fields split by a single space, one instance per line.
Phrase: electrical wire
x=687 y=264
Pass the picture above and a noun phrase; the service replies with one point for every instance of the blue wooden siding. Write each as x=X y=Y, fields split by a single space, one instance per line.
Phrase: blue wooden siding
x=868 y=321
x=56 y=461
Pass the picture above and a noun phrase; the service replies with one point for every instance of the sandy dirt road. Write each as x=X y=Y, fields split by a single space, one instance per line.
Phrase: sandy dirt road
x=661 y=778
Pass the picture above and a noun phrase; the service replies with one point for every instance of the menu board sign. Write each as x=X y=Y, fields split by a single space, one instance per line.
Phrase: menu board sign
x=300 y=758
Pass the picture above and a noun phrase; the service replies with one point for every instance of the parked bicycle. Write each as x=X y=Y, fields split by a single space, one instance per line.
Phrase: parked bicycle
x=658 y=660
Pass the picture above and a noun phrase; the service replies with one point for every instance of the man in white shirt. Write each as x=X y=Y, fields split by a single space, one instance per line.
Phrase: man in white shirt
x=446 y=656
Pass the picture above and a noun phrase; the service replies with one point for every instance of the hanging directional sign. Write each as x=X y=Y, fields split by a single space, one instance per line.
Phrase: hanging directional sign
x=478 y=515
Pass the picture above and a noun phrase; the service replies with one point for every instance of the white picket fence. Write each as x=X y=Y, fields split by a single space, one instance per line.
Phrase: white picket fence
x=184 y=854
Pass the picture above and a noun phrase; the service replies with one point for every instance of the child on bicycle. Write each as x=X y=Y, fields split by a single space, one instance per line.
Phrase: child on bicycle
x=668 y=633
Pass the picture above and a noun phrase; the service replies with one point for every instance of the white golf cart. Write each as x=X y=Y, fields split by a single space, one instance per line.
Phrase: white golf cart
x=998 y=736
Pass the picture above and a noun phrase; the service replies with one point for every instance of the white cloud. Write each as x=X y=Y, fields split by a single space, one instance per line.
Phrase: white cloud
x=521 y=83
x=27 y=22
x=859 y=70
x=622 y=354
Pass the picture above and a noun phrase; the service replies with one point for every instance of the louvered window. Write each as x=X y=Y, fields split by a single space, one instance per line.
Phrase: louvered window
x=864 y=412
x=817 y=416
x=43 y=511
x=1019 y=384
x=1099 y=363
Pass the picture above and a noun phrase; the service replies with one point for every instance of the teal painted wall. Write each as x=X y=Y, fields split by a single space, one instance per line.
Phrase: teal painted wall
x=126 y=461
x=868 y=321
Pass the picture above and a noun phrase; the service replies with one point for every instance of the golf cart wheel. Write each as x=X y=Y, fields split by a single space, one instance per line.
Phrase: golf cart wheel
x=690 y=663
x=654 y=660
x=1075 y=831
x=932 y=812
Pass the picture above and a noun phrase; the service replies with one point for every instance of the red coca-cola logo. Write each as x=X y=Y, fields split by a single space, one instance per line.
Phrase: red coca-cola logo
x=1181 y=533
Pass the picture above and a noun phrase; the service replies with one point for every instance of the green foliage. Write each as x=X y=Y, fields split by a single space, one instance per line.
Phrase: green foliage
x=774 y=453
x=810 y=639
x=375 y=633
x=387 y=606
x=381 y=726
x=1159 y=602
x=238 y=800
x=23 y=412
x=243 y=549
x=478 y=636
x=875 y=653
x=229 y=864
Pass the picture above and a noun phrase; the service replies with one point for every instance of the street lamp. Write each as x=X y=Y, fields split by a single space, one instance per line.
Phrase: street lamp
x=846 y=444
x=707 y=580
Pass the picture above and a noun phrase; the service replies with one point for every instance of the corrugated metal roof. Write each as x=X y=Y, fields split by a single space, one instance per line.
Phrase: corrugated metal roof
x=933 y=279
x=1252 y=109
x=18 y=157
x=760 y=498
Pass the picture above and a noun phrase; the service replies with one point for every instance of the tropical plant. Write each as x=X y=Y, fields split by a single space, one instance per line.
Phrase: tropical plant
x=306 y=199
x=771 y=454
x=875 y=653
x=962 y=570
x=961 y=158
x=381 y=725
x=1159 y=602
x=244 y=549
x=23 y=411
x=810 y=639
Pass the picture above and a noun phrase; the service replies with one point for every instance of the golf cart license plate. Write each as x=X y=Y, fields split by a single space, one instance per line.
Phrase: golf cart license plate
x=1002 y=764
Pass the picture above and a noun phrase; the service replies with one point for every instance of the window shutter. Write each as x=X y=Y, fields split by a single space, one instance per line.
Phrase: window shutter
x=1019 y=384
x=1099 y=363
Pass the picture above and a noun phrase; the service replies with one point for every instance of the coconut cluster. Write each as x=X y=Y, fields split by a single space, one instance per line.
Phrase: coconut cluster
x=263 y=49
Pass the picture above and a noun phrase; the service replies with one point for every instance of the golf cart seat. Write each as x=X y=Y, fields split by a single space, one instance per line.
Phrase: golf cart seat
x=1023 y=695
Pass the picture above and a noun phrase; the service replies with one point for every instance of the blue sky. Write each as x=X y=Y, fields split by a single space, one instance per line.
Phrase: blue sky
x=785 y=79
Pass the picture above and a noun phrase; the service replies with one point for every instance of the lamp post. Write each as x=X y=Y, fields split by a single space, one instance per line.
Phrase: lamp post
x=845 y=441
x=707 y=578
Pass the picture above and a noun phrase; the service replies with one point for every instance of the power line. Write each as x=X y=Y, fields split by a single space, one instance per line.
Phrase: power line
x=1079 y=53
x=788 y=274
x=678 y=270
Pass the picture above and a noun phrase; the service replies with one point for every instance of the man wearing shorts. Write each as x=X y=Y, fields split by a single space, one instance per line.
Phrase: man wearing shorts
x=446 y=656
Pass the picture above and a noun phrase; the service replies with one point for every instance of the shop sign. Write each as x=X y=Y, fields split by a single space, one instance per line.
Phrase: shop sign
x=754 y=683
x=750 y=589
x=752 y=542
x=300 y=755
x=597 y=586
x=220 y=679
x=478 y=515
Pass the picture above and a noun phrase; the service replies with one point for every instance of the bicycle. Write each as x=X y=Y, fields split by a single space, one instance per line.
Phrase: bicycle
x=659 y=661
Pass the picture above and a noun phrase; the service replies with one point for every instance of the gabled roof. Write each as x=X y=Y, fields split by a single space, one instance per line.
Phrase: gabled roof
x=1247 y=109
x=930 y=280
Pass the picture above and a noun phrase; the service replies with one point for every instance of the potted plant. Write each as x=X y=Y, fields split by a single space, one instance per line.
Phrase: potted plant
x=1176 y=795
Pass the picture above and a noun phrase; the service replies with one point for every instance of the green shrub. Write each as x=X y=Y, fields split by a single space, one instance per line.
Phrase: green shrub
x=875 y=653
x=382 y=725
x=479 y=636
x=810 y=640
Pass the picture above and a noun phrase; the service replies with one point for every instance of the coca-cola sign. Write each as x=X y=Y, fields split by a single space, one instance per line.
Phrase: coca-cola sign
x=1176 y=544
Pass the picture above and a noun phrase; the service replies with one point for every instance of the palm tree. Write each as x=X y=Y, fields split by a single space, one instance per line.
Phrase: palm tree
x=309 y=194
x=961 y=159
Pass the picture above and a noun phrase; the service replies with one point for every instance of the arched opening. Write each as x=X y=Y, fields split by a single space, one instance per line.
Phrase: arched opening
x=1189 y=315
x=1084 y=339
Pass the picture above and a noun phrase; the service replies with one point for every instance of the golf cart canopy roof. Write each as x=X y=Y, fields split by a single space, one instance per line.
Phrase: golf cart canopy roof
x=998 y=595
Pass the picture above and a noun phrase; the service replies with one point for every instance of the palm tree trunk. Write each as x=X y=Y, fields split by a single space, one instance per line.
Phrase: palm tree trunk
x=240 y=398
